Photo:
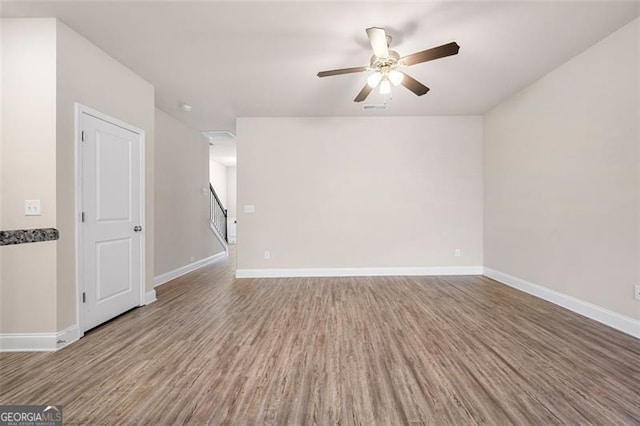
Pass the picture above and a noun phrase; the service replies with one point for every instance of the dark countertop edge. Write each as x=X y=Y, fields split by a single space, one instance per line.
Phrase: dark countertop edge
x=24 y=236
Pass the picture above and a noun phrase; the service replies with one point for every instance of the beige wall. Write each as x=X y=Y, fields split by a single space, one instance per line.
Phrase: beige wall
x=561 y=178
x=46 y=68
x=2 y=73
x=28 y=171
x=182 y=208
x=89 y=76
x=360 y=192
x=231 y=191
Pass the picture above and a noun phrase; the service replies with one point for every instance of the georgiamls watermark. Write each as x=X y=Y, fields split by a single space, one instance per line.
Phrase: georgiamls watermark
x=30 y=415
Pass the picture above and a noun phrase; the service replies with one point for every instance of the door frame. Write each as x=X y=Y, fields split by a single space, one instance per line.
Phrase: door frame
x=79 y=249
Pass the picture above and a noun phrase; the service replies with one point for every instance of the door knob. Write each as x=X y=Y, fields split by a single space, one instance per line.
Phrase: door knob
x=137 y=228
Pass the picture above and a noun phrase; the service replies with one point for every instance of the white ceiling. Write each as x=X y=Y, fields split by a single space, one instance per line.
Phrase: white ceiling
x=241 y=59
x=222 y=148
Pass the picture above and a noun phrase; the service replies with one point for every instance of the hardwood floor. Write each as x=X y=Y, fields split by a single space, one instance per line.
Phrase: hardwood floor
x=393 y=350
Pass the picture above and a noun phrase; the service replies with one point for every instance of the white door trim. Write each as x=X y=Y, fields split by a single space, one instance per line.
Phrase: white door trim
x=79 y=110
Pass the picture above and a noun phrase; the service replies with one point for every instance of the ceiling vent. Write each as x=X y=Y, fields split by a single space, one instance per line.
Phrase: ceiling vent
x=219 y=136
x=374 y=107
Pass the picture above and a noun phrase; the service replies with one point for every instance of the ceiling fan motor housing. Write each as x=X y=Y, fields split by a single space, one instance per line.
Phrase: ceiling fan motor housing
x=388 y=62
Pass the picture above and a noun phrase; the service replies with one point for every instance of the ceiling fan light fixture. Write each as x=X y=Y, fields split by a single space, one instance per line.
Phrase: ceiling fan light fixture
x=385 y=64
x=395 y=77
x=374 y=79
x=385 y=87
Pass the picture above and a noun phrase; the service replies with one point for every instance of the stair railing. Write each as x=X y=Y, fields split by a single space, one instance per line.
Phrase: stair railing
x=217 y=213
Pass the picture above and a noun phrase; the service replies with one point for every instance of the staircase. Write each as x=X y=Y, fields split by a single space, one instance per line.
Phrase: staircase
x=218 y=218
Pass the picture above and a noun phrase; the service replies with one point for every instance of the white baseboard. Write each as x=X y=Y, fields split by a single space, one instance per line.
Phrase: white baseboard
x=359 y=272
x=605 y=316
x=38 y=342
x=28 y=342
x=171 y=275
x=67 y=336
x=150 y=297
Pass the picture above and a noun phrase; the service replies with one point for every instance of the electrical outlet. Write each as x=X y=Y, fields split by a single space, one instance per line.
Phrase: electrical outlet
x=457 y=253
x=636 y=293
x=267 y=255
x=32 y=207
x=192 y=258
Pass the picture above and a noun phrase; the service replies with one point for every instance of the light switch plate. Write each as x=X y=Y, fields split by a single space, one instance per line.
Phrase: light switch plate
x=32 y=208
x=249 y=208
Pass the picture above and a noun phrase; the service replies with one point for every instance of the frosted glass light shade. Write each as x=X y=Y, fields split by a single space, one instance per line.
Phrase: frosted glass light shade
x=374 y=79
x=385 y=87
x=395 y=77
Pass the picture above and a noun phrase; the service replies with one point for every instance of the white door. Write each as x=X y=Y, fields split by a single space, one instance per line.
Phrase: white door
x=231 y=229
x=111 y=229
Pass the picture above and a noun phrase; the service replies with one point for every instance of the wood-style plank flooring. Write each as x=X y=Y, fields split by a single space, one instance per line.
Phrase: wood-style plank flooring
x=387 y=351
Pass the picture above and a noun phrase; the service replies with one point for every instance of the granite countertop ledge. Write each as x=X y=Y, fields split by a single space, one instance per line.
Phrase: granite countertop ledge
x=23 y=236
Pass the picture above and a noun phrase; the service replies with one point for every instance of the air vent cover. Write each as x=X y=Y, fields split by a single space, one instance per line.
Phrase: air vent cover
x=218 y=135
x=374 y=107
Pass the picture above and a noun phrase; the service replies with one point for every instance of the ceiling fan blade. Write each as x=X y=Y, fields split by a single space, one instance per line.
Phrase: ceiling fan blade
x=363 y=93
x=342 y=71
x=378 y=40
x=431 y=54
x=414 y=85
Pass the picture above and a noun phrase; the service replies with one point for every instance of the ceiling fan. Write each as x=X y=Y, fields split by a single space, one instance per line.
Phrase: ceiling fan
x=386 y=65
